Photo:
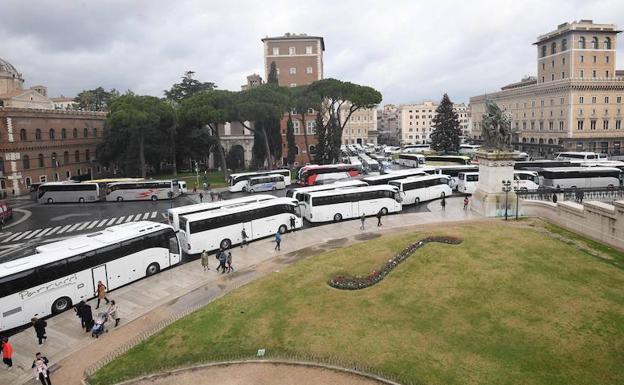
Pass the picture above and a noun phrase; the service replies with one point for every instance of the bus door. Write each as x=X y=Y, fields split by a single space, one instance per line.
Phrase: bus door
x=99 y=274
x=174 y=250
x=355 y=209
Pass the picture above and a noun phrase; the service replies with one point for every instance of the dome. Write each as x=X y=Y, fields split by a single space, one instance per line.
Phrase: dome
x=5 y=66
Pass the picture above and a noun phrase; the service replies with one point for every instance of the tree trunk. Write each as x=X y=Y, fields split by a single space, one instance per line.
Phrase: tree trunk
x=142 y=155
x=305 y=137
x=221 y=152
x=268 y=149
x=173 y=153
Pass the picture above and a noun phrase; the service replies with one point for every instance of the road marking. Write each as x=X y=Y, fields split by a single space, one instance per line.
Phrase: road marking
x=82 y=226
x=154 y=213
x=129 y=219
x=11 y=237
x=92 y=225
x=64 y=229
x=145 y=216
x=6 y=234
x=34 y=232
x=111 y=221
x=54 y=230
x=101 y=223
x=22 y=235
x=121 y=219
x=74 y=226
x=43 y=232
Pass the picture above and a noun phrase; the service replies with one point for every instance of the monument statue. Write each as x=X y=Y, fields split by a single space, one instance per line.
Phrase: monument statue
x=496 y=128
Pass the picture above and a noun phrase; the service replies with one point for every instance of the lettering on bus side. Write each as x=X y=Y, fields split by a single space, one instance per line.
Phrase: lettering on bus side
x=69 y=280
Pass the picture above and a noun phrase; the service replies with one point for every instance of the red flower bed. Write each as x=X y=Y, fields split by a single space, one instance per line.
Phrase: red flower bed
x=349 y=282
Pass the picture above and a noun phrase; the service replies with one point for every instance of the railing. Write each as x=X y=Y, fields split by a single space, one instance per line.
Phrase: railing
x=605 y=194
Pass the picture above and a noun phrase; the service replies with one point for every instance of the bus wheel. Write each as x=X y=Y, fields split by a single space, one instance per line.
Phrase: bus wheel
x=81 y=200
x=50 y=200
x=154 y=198
x=252 y=191
x=282 y=229
x=225 y=244
x=337 y=217
x=152 y=269
x=119 y=199
x=274 y=188
x=384 y=211
x=61 y=304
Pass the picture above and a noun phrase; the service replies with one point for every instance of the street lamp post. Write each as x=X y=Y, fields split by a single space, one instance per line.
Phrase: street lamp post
x=517 y=188
x=506 y=189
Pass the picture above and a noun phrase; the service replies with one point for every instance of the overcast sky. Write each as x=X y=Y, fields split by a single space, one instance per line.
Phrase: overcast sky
x=409 y=50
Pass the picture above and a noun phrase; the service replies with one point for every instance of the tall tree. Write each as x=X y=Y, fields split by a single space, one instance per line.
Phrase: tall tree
x=97 y=99
x=187 y=88
x=206 y=111
x=137 y=128
x=339 y=101
x=446 y=135
x=301 y=100
x=290 y=139
x=272 y=78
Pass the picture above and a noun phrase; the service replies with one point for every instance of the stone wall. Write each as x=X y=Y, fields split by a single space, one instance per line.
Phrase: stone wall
x=600 y=221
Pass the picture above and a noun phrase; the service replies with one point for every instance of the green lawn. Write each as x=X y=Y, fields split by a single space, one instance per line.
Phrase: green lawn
x=214 y=178
x=510 y=305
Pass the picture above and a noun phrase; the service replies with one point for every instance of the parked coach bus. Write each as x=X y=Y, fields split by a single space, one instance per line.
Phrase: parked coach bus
x=336 y=205
x=453 y=172
x=240 y=181
x=298 y=193
x=423 y=188
x=143 y=190
x=322 y=174
x=582 y=177
x=447 y=159
x=266 y=183
x=65 y=192
x=411 y=160
x=174 y=214
x=63 y=273
x=393 y=175
x=221 y=228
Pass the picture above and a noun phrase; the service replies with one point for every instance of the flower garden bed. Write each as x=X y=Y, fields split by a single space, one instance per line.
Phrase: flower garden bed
x=347 y=282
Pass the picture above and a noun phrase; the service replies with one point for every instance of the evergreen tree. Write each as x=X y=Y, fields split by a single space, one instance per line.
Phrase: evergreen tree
x=272 y=79
x=290 y=139
x=320 y=129
x=258 y=149
x=274 y=134
x=446 y=135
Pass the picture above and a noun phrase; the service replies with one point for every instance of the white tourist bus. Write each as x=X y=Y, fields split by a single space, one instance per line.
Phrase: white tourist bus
x=397 y=174
x=266 y=183
x=580 y=156
x=174 y=214
x=369 y=164
x=582 y=177
x=423 y=188
x=467 y=182
x=240 y=181
x=298 y=193
x=454 y=170
x=336 y=205
x=416 y=148
x=142 y=190
x=63 y=273
x=66 y=192
x=468 y=149
x=411 y=160
x=221 y=228
x=526 y=180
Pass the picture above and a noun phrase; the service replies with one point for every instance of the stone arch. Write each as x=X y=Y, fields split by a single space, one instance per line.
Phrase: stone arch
x=541 y=141
x=235 y=157
x=550 y=141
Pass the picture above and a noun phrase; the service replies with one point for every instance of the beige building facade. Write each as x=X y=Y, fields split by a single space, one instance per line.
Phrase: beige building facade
x=575 y=101
x=416 y=121
x=361 y=128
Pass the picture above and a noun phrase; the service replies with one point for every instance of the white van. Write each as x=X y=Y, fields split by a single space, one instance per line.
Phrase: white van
x=266 y=183
x=467 y=183
x=183 y=189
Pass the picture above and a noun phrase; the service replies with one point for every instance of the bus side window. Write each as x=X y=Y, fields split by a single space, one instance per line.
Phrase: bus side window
x=52 y=271
x=78 y=263
x=173 y=245
x=18 y=282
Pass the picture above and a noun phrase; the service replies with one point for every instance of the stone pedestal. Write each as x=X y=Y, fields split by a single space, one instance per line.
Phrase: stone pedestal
x=494 y=168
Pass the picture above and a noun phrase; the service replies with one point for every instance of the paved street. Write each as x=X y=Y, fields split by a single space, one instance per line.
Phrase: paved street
x=147 y=303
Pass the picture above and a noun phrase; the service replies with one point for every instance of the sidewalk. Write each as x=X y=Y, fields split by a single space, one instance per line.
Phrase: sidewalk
x=146 y=304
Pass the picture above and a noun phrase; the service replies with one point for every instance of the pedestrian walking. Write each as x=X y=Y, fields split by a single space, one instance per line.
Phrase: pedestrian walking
x=581 y=196
x=42 y=372
x=78 y=311
x=443 y=203
x=379 y=215
x=201 y=197
x=465 y=202
x=112 y=312
x=101 y=294
x=229 y=262
x=292 y=223
x=204 y=260
x=362 y=220
x=87 y=316
x=554 y=198
x=39 y=326
x=7 y=353
x=278 y=241
x=222 y=261
x=44 y=359
x=244 y=238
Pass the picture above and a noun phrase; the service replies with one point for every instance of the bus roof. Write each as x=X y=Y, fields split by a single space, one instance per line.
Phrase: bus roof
x=214 y=205
x=352 y=190
x=267 y=176
x=457 y=167
x=420 y=177
x=259 y=172
x=397 y=173
x=112 y=180
x=66 y=248
x=583 y=169
x=237 y=208
x=144 y=181
x=330 y=186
